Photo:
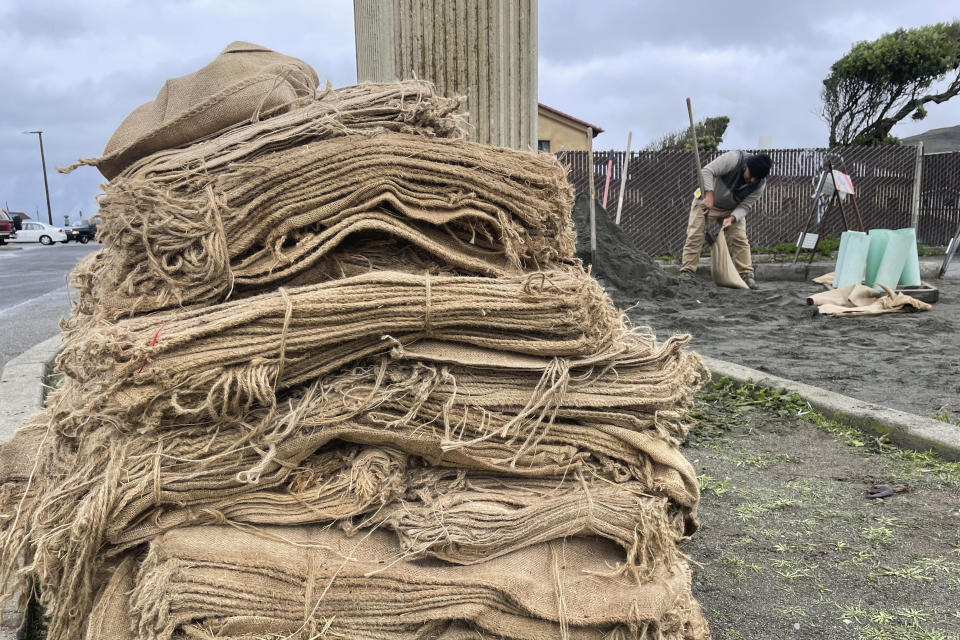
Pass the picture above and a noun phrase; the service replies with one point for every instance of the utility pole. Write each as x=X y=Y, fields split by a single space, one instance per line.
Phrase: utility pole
x=46 y=187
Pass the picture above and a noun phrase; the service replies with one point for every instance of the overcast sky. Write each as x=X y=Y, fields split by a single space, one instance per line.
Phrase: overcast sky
x=76 y=68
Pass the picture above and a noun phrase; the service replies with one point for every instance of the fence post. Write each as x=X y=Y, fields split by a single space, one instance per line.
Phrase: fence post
x=917 y=179
x=593 y=212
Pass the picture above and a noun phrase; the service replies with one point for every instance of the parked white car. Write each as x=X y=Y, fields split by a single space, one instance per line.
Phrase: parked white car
x=33 y=231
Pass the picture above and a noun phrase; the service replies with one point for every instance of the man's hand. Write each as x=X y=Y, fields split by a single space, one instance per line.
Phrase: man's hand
x=729 y=220
x=708 y=200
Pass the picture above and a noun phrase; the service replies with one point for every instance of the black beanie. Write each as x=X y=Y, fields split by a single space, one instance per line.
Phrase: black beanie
x=759 y=165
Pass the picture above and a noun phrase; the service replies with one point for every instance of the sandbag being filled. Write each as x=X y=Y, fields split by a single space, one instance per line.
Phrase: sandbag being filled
x=722 y=267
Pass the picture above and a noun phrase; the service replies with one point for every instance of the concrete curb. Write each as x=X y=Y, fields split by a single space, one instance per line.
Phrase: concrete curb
x=929 y=269
x=21 y=388
x=21 y=385
x=904 y=429
x=11 y=619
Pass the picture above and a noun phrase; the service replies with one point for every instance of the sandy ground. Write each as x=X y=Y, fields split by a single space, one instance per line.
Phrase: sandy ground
x=790 y=546
x=905 y=361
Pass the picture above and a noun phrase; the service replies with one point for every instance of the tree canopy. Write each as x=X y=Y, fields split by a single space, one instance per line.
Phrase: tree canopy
x=709 y=136
x=879 y=83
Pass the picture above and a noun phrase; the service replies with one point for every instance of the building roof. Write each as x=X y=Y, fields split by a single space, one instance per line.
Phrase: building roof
x=596 y=130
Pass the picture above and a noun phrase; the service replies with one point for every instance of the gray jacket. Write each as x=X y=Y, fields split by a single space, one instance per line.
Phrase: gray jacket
x=724 y=176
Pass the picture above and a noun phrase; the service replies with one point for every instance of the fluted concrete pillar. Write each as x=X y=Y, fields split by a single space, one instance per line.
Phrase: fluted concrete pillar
x=484 y=49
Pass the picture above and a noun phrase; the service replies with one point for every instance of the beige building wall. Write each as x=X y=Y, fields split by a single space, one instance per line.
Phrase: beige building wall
x=484 y=49
x=562 y=134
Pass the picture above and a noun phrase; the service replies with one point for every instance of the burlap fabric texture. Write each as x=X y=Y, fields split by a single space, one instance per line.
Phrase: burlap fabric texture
x=601 y=433
x=337 y=373
x=189 y=237
x=245 y=82
x=216 y=581
x=222 y=360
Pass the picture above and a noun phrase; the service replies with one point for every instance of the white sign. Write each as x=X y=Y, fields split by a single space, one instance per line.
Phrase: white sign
x=809 y=241
x=843 y=182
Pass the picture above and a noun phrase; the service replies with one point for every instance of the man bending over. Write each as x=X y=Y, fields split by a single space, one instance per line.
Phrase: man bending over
x=733 y=184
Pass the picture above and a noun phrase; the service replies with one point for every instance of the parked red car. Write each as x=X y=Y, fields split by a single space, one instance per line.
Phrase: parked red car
x=7 y=227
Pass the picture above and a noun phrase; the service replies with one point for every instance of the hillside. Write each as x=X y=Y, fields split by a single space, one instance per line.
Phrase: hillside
x=937 y=140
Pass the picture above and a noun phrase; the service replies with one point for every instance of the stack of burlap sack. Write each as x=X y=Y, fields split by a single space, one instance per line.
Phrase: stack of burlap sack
x=337 y=374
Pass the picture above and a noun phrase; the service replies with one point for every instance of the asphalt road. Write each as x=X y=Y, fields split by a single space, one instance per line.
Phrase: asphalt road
x=34 y=294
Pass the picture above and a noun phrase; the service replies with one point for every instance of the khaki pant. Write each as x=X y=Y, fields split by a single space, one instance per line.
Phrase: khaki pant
x=736 y=236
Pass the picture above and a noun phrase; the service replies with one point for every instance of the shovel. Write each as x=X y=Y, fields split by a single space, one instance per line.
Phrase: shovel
x=709 y=233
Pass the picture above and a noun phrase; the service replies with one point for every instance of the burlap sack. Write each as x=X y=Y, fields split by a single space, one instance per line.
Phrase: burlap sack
x=859 y=300
x=409 y=106
x=20 y=459
x=468 y=518
x=205 y=236
x=110 y=618
x=18 y=455
x=295 y=581
x=722 y=267
x=245 y=82
x=615 y=420
x=224 y=360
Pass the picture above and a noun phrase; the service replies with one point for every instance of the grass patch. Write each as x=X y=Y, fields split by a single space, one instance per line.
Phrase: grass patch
x=791 y=521
x=944 y=416
x=719 y=406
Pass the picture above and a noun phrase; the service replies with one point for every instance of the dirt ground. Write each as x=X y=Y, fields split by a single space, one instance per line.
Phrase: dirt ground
x=905 y=361
x=791 y=547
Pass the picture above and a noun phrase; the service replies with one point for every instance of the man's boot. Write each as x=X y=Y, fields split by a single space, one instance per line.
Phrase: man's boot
x=751 y=282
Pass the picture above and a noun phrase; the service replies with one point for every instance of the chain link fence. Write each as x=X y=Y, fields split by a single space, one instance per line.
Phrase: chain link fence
x=660 y=186
x=939 y=198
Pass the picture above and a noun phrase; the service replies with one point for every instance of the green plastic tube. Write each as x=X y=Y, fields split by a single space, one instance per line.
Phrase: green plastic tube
x=894 y=259
x=878 y=245
x=851 y=259
x=911 y=269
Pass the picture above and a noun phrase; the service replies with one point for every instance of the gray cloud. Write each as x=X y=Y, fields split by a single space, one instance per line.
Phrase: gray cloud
x=76 y=69
x=627 y=66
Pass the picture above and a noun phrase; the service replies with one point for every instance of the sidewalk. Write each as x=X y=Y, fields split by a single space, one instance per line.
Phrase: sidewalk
x=21 y=395
x=765 y=268
x=21 y=385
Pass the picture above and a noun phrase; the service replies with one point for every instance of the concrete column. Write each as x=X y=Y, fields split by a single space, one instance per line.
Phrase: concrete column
x=484 y=49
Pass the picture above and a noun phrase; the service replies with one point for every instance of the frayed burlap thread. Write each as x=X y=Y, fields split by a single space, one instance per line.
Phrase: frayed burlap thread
x=200 y=237
x=615 y=423
x=508 y=597
x=411 y=106
x=222 y=361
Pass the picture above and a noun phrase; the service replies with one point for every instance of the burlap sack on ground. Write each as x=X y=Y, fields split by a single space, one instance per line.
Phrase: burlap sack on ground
x=252 y=226
x=860 y=300
x=245 y=82
x=297 y=581
x=722 y=267
x=223 y=360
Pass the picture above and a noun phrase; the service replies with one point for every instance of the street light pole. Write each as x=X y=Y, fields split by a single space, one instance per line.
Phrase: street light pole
x=46 y=187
